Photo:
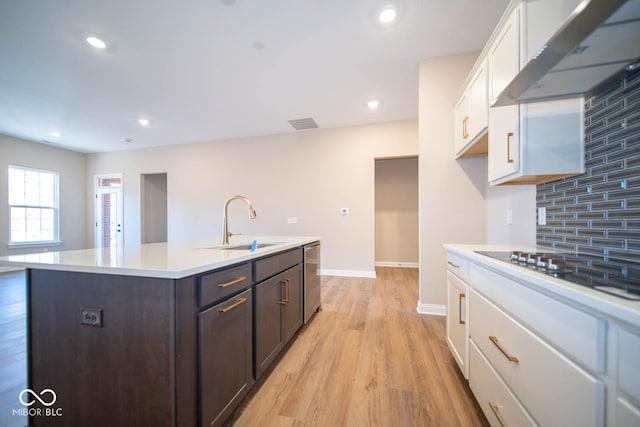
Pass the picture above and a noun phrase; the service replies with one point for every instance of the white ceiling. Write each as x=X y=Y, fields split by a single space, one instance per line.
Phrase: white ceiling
x=191 y=68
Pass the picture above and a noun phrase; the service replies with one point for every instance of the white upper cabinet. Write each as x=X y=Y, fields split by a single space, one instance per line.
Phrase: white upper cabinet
x=471 y=114
x=530 y=143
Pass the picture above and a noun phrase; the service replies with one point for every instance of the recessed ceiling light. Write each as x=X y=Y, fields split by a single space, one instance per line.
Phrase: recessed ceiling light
x=55 y=134
x=373 y=104
x=96 y=42
x=143 y=122
x=388 y=15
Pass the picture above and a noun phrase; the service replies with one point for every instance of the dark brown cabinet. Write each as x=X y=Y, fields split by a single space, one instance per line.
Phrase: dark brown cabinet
x=278 y=315
x=225 y=356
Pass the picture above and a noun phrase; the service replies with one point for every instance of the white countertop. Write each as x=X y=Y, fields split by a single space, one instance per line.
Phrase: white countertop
x=600 y=303
x=173 y=260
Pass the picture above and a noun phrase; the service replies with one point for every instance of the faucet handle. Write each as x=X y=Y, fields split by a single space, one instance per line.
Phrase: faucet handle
x=233 y=234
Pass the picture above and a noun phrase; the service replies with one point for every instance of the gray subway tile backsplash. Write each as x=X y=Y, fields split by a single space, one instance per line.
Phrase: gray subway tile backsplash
x=598 y=213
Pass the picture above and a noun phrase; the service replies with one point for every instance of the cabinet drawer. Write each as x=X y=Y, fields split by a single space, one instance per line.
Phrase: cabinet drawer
x=578 y=334
x=628 y=364
x=220 y=284
x=555 y=391
x=496 y=400
x=458 y=266
x=275 y=264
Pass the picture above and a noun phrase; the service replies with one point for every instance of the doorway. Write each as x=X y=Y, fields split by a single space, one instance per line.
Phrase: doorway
x=109 y=211
x=396 y=212
x=153 y=210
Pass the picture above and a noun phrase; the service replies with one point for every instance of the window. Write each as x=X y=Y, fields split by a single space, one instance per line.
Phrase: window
x=33 y=206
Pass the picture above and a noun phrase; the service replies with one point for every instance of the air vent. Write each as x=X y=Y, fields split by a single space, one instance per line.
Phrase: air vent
x=302 y=124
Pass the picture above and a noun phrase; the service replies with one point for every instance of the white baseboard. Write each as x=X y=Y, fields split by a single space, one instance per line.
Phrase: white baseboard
x=348 y=273
x=397 y=264
x=433 y=309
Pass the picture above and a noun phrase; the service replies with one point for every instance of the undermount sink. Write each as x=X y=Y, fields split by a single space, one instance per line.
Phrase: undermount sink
x=242 y=246
x=245 y=247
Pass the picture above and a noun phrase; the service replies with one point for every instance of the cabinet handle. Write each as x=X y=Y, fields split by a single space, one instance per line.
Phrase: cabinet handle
x=453 y=264
x=285 y=283
x=509 y=357
x=465 y=127
x=460 y=298
x=288 y=290
x=232 y=282
x=496 y=411
x=509 y=141
x=234 y=305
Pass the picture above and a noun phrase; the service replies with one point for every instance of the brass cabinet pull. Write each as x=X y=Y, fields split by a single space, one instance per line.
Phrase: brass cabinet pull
x=465 y=127
x=232 y=282
x=453 y=264
x=496 y=411
x=511 y=358
x=234 y=305
x=285 y=300
x=288 y=291
x=460 y=298
x=509 y=141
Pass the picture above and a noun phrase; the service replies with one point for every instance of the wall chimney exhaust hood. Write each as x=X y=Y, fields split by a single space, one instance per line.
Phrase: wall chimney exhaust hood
x=600 y=38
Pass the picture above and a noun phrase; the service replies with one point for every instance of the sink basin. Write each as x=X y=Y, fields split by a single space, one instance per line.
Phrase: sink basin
x=244 y=247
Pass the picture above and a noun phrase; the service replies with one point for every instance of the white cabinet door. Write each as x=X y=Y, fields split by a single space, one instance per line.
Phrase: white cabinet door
x=504 y=142
x=457 y=325
x=478 y=104
x=504 y=56
x=460 y=122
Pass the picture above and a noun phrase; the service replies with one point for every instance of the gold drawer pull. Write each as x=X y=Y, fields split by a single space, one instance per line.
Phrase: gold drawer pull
x=453 y=264
x=232 y=282
x=496 y=411
x=234 y=305
x=460 y=298
x=511 y=358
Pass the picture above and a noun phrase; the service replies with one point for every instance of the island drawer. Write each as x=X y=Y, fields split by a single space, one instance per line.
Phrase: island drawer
x=220 y=284
x=458 y=266
x=270 y=266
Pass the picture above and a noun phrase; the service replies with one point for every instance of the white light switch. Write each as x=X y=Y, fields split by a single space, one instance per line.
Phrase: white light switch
x=542 y=216
x=292 y=220
x=509 y=217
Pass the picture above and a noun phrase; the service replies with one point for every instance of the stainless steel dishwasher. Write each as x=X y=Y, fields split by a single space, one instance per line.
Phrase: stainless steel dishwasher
x=311 y=280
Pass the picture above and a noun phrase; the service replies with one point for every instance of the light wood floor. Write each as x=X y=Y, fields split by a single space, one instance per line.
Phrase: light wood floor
x=368 y=359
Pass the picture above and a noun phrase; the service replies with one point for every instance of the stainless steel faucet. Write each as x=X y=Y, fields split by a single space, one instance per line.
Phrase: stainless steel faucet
x=225 y=226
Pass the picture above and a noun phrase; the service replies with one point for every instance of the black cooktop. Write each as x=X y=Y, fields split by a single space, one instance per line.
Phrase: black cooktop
x=613 y=276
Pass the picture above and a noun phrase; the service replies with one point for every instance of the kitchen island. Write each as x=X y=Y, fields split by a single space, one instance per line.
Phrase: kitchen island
x=164 y=334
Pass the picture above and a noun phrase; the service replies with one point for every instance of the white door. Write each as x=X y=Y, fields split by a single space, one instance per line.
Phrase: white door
x=109 y=211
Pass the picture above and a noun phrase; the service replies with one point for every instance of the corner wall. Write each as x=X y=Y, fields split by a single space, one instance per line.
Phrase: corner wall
x=70 y=166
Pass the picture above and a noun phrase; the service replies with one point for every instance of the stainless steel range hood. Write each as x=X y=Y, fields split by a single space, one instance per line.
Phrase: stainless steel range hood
x=600 y=38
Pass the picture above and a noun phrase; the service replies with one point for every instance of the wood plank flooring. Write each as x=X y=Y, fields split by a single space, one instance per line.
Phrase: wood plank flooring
x=367 y=359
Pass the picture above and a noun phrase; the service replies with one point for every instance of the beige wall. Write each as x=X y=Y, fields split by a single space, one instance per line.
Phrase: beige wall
x=70 y=166
x=452 y=192
x=309 y=175
x=396 y=198
x=457 y=205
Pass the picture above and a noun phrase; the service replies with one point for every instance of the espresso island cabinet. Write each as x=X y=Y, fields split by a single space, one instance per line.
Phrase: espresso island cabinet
x=120 y=349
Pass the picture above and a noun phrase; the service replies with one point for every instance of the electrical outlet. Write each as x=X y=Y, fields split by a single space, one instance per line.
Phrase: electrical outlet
x=91 y=317
x=542 y=216
x=292 y=220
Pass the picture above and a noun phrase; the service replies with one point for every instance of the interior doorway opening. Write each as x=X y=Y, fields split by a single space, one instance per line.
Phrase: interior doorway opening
x=153 y=210
x=396 y=212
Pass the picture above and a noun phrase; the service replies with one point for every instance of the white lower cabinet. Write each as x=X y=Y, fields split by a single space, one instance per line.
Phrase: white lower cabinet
x=500 y=406
x=555 y=391
x=628 y=379
x=457 y=326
